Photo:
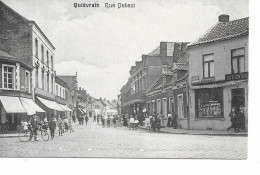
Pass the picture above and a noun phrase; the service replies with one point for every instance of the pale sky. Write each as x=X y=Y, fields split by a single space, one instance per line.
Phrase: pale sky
x=102 y=44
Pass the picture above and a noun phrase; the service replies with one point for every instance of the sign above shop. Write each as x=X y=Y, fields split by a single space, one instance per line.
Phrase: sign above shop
x=239 y=76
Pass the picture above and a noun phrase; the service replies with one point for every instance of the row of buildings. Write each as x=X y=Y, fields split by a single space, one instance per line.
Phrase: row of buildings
x=29 y=83
x=199 y=82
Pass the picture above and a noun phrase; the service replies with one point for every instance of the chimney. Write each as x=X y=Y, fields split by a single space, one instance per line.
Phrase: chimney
x=163 y=49
x=223 y=18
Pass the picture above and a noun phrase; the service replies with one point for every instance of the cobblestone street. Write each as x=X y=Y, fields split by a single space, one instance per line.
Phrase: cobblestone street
x=120 y=142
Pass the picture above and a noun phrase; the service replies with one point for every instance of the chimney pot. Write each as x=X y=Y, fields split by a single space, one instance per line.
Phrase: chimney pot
x=223 y=18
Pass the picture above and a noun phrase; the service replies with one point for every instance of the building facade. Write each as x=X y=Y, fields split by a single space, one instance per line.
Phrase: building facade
x=218 y=74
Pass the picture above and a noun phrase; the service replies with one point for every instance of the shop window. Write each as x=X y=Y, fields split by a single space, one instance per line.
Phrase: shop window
x=238 y=60
x=8 y=77
x=209 y=103
x=27 y=81
x=208 y=66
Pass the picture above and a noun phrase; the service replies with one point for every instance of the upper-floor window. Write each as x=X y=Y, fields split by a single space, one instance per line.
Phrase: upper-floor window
x=43 y=79
x=27 y=81
x=36 y=47
x=238 y=60
x=8 y=77
x=51 y=62
x=48 y=81
x=36 y=77
x=42 y=50
x=47 y=54
x=57 y=91
x=208 y=66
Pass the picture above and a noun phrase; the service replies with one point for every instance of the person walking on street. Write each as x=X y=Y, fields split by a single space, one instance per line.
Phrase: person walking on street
x=74 y=118
x=232 y=119
x=60 y=126
x=94 y=118
x=169 y=121
x=98 y=119
x=52 y=126
x=158 y=123
x=103 y=121
x=241 y=116
x=237 y=120
x=174 y=120
x=125 y=121
x=70 y=126
x=33 y=127
x=153 y=123
x=108 y=121
x=86 y=119
x=114 y=121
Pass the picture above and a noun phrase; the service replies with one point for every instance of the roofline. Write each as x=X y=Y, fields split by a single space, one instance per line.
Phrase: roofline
x=33 y=22
x=15 y=60
x=219 y=40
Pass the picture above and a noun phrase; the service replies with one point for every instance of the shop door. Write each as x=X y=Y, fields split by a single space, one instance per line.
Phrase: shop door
x=238 y=97
x=238 y=100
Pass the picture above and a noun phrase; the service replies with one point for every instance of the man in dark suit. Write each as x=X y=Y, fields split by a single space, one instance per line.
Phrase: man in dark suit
x=52 y=126
x=33 y=127
x=232 y=119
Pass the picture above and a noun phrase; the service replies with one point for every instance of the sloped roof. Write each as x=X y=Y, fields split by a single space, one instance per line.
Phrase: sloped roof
x=6 y=55
x=71 y=80
x=155 y=52
x=224 y=30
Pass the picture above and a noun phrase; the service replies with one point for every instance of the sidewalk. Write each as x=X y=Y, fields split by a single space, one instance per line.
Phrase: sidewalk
x=199 y=132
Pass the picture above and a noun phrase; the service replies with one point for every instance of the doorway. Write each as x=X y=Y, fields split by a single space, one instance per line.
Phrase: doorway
x=238 y=100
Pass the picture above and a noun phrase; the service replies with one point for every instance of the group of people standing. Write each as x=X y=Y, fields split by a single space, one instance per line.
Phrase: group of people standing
x=237 y=118
x=81 y=119
x=106 y=120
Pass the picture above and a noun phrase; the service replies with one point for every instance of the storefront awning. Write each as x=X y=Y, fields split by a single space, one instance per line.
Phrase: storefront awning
x=215 y=85
x=50 y=104
x=81 y=111
x=132 y=102
x=65 y=108
x=30 y=106
x=12 y=104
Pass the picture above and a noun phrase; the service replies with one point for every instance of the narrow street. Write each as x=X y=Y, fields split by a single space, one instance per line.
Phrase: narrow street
x=120 y=142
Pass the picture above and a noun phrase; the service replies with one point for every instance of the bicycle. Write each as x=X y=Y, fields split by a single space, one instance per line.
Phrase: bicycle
x=25 y=134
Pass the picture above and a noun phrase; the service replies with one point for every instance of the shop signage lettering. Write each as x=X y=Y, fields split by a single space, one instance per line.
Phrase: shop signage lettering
x=239 y=76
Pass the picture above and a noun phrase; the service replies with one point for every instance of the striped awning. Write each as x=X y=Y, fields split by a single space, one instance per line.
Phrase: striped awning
x=30 y=106
x=12 y=104
x=65 y=108
x=50 y=104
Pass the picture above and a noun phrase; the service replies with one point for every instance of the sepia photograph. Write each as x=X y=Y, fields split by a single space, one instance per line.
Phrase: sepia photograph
x=124 y=79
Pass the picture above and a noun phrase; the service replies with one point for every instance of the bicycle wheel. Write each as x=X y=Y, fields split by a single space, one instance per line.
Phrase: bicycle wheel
x=45 y=135
x=24 y=135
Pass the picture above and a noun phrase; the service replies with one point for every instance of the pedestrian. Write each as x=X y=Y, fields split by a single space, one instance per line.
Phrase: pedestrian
x=98 y=119
x=52 y=126
x=158 y=123
x=232 y=118
x=66 y=125
x=174 y=120
x=125 y=121
x=74 y=118
x=94 y=118
x=237 y=120
x=241 y=116
x=153 y=123
x=6 y=126
x=169 y=121
x=60 y=126
x=86 y=119
x=103 y=121
x=114 y=121
x=108 y=121
x=70 y=125
x=33 y=127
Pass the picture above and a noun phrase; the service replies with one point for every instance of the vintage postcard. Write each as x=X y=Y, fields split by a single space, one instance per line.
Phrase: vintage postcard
x=124 y=79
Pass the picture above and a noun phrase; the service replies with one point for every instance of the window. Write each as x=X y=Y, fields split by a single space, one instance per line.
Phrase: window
x=48 y=81
x=238 y=60
x=43 y=79
x=36 y=47
x=42 y=50
x=164 y=105
x=57 y=90
x=159 y=106
x=47 y=53
x=51 y=84
x=64 y=93
x=52 y=62
x=180 y=106
x=8 y=77
x=209 y=103
x=27 y=81
x=170 y=104
x=36 y=77
x=60 y=91
x=208 y=66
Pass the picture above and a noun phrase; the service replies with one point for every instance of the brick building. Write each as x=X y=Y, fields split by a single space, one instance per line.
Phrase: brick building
x=15 y=91
x=25 y=40
x=218 y=74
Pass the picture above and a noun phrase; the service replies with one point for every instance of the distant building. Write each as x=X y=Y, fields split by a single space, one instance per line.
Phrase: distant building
x=218 y=74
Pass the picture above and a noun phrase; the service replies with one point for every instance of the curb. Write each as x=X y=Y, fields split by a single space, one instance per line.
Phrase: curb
x=210 y=134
